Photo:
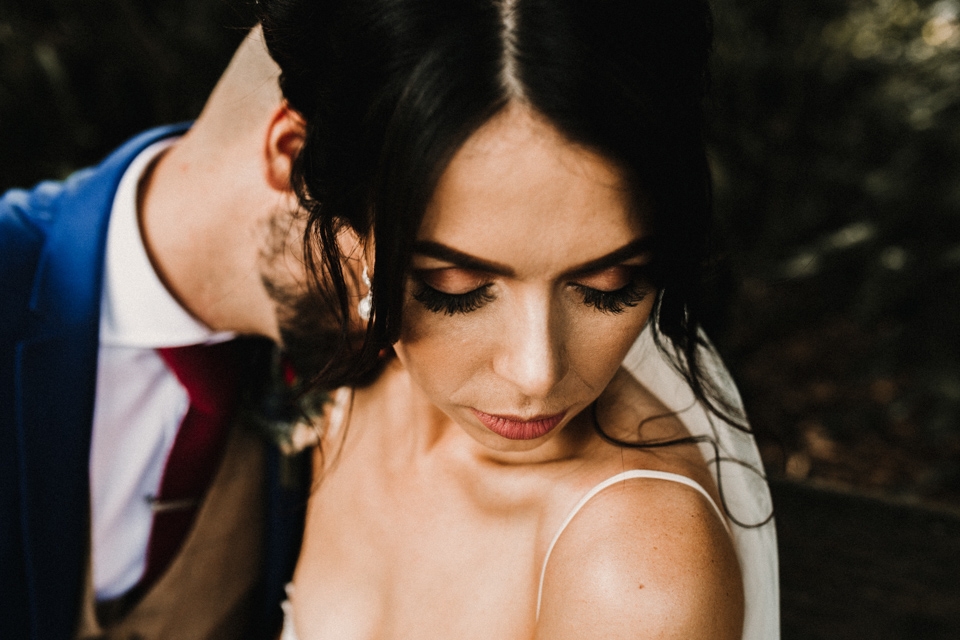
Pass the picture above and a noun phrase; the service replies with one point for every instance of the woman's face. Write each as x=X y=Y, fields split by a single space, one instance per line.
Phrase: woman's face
x=528 y=283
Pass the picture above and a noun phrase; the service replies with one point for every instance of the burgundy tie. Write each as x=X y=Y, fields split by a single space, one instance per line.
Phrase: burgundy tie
x=211 y=375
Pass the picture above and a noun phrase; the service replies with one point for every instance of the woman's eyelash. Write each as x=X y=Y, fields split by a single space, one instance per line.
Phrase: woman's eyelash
x=617 y=301
x=630 y=295
x=451 y=303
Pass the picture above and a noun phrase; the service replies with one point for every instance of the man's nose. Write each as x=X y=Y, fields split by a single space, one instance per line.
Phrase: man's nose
x=532 y=351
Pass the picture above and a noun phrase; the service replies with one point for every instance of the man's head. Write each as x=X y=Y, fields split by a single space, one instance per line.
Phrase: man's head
x=221 y=223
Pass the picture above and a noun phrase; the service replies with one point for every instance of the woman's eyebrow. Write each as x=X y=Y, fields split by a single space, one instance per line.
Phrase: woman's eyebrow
x=632 y=249
x=463 y=260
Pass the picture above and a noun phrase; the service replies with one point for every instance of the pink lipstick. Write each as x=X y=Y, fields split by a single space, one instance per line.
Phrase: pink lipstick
x=514 y=428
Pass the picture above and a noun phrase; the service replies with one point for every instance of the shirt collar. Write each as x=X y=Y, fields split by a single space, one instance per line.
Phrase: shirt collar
x=136 y=310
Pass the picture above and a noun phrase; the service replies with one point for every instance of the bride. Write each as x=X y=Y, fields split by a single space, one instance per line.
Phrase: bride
x=533 y=439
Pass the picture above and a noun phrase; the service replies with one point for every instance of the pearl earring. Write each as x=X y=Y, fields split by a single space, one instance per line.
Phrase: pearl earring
x=365 y=306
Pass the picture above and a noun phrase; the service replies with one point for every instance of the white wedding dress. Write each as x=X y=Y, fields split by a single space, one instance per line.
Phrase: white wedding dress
x=745 y=491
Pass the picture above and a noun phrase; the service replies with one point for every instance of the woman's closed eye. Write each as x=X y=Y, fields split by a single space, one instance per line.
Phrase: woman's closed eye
x=614 y=289
x=455 y=290
x=451 y=290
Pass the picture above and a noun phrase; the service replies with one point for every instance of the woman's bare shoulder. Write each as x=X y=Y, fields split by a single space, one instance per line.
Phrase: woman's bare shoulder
x=643 y=558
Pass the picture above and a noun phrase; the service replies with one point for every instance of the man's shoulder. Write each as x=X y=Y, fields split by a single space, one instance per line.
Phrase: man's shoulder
x=25 y=216
x=28 y=213
x=26 y=219
x=74 y=210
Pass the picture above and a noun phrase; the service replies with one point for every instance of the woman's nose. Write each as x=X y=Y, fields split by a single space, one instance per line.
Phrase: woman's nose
x=531 y=354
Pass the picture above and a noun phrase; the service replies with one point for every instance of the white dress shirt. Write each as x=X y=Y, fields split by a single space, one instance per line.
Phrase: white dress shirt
x=139 y=403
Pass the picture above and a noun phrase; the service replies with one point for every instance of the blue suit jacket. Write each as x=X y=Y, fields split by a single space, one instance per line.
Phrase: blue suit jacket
x=52 y=242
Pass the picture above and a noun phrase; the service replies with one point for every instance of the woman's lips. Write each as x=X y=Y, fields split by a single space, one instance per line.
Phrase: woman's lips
x=514 y=428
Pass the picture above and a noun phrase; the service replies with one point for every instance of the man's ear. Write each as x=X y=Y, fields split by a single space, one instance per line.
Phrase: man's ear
x=285 y=138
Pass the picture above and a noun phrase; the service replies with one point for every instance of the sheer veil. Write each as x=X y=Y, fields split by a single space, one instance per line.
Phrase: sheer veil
x=738 y=470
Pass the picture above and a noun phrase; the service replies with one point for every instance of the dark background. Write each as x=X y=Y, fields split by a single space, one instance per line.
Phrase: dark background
x=835 y=142
x=837 y=148
x=835 y=137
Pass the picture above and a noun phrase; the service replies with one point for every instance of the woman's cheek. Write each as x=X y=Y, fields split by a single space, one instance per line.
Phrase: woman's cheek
x=604 y=341
x=440 y=350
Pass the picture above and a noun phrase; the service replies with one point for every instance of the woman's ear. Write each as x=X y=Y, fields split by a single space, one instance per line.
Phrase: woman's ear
x=285 y=137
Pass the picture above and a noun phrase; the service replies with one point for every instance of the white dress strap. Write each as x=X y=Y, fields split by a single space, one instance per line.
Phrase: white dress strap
x=620 y=477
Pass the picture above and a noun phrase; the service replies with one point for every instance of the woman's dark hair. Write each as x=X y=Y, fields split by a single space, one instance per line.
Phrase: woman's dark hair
x=390 y=90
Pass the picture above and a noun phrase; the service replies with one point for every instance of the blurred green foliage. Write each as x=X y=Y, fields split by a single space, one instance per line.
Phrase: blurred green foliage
x=835 y=138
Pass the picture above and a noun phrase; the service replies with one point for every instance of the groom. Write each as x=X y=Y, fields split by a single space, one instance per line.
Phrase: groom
x=139 y=299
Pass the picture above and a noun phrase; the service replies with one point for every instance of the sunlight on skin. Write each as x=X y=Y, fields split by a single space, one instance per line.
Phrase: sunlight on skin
x=522 y=210
x=528 y=285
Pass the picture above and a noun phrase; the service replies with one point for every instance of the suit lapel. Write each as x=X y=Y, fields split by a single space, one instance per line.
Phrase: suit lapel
x=56 y=374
